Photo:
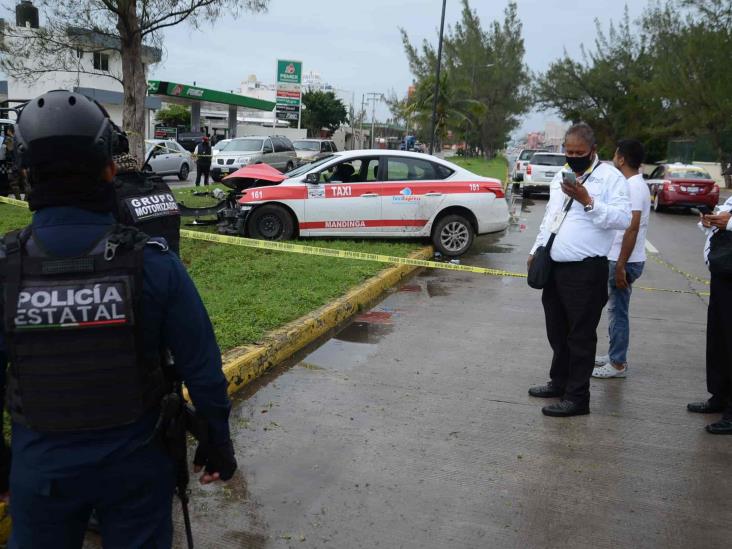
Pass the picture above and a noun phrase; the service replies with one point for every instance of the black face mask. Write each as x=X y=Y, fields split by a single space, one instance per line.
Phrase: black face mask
x=579 y=164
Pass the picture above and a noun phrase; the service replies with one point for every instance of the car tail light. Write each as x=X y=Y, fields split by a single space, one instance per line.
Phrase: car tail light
x=715 y=189
x=528 y=169
x=518 y=165
x=668 y=186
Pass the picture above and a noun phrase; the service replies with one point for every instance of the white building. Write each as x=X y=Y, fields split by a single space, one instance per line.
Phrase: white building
x=94 y=69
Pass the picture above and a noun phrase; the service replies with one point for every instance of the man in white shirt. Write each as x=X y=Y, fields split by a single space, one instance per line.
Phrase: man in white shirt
x=718 y=255
x=627 y=259
x=576 y=293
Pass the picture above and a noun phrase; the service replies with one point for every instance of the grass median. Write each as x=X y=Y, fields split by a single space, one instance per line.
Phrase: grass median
x=249 y=292
x=496 y=167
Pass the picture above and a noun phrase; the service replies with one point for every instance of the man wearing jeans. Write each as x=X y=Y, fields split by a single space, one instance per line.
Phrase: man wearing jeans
x=627 y=258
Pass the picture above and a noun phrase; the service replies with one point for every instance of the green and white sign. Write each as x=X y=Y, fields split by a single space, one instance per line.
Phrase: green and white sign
x=289 y=72
x=289 y=83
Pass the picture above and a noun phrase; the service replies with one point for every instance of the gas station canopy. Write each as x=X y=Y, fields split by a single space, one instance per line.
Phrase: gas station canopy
x=188 y=95
x=196 y=96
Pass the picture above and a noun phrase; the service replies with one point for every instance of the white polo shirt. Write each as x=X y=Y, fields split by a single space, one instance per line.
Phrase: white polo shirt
x=640 y=201
x=709 y=231
x=587 y=234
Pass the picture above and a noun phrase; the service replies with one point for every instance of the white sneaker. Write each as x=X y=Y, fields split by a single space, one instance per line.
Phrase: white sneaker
x=607 y=371
x=601 y=360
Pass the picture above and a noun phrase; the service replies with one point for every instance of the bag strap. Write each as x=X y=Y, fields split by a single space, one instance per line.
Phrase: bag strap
x=567 y=208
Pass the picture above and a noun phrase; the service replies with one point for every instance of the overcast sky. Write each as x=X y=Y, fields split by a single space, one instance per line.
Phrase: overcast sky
x=355 y=45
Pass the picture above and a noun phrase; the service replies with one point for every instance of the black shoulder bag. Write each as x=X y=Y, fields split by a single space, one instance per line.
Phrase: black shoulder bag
x=720 y=253
x=541 y=266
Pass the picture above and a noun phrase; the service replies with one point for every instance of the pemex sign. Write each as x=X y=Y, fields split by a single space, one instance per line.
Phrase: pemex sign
x=289 y=83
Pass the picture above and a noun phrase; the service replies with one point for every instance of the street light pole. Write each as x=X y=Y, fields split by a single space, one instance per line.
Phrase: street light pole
x=373 y=96
x=437 y=79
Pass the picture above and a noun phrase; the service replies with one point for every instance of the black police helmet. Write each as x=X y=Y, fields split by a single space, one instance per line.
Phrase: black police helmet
x=65 y=130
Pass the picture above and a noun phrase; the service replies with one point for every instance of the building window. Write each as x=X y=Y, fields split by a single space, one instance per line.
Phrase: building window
x=101 y=61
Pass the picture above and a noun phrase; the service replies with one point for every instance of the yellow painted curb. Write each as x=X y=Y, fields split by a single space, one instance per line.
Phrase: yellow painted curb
x=245 y=364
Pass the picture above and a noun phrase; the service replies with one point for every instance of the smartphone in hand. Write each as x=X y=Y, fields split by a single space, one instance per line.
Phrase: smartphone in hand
x=704 y=209
x=569 y=178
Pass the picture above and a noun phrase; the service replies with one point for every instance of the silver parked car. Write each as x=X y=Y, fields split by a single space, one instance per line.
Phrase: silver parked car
x=277 y=151
x=313 y=149
x=167 y=158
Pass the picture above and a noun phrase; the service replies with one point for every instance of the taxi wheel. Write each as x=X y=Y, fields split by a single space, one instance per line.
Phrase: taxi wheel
x=271 y=222
x=453 y=235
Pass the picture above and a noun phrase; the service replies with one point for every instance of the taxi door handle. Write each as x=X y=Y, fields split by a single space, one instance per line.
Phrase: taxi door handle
x=369 y=195
x=433 y=194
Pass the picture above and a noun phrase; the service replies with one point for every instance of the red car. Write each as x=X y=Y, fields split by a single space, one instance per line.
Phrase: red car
x=683 y=186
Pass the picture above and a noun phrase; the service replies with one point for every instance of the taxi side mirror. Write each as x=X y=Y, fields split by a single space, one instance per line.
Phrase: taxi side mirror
x=313 y=178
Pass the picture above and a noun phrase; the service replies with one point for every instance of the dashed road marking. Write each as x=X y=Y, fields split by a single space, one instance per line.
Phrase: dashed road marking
x=650 y=248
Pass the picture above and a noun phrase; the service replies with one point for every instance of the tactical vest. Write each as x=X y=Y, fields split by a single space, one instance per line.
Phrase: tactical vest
x=148 y=204
x=74 y=333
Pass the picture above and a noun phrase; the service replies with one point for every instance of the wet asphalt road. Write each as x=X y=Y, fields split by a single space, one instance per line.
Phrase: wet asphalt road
x=412 y=427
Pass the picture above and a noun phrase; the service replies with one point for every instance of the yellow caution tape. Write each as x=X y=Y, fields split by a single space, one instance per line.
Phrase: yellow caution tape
x=13 y=201
x=675 y=269
x=345 y=254
x=348 y=254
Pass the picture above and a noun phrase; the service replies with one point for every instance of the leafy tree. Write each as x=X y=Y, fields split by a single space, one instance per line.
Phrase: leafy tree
x=322 y=110
x=609 y=89
x=692 y=48
x=174 y=115
x=129 y=27
x=485 y=66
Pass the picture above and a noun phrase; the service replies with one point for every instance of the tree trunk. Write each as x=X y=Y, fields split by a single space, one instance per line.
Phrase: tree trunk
x=134 y=80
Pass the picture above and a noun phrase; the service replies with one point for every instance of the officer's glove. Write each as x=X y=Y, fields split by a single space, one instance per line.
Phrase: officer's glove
x=216 y=459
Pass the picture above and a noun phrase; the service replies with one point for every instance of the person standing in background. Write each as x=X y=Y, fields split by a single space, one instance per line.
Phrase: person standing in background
x=627 y=259
x=202 y=153
x=718 y=256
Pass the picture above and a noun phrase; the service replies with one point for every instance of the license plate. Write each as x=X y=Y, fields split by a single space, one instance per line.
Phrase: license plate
x=225 y=170
x=692 y=189
x=549 y=174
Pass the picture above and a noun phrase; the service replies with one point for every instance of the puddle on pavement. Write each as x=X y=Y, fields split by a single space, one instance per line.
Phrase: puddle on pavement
x=364 y=332
x=435 y=289
x=497 y=249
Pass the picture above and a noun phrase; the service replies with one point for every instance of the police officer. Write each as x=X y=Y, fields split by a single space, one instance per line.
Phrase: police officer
x=87 y=308
x=144 y=201
x=202 y=152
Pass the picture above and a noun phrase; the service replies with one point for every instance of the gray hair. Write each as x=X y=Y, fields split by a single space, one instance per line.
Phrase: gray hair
x=583 y=131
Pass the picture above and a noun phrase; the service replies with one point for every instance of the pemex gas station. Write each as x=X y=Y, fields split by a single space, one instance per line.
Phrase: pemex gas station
x=229 y=105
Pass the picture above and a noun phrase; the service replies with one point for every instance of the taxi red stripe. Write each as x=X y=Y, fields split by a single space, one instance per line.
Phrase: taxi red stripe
x=361 y=223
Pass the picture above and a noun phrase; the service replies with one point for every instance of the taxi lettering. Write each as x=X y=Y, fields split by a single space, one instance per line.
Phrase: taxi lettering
x=344 y=190
x=344 y=224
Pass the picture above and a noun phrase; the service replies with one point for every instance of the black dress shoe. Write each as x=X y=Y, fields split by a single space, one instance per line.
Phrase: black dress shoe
x=721 y=427
x=546 y=391
x=710 y=406
x=566 y=408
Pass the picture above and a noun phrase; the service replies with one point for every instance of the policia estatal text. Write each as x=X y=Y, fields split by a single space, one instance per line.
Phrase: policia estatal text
x=90 y=309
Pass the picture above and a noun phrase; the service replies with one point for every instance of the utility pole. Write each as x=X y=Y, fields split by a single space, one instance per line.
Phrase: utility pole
x=437 y=80
x=361 y=116
x=373 y=97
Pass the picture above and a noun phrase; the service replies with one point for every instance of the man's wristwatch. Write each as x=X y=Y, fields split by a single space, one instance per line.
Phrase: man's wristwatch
x=590 y=206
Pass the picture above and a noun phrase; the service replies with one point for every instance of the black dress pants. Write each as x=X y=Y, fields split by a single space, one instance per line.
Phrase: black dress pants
x=719 y=340
x=573 y=302
x=202 y=170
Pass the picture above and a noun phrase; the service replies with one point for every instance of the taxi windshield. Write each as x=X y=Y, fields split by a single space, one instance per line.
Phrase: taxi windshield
x=305 y=168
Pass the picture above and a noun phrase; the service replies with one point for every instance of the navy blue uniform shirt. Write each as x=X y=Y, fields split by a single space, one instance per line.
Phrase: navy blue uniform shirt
x=174 y=317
